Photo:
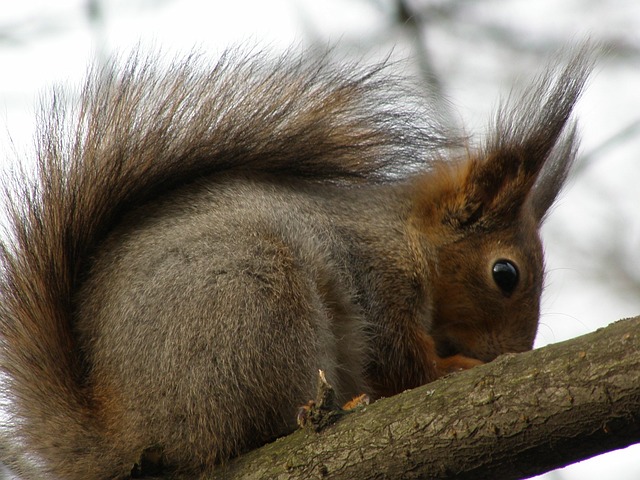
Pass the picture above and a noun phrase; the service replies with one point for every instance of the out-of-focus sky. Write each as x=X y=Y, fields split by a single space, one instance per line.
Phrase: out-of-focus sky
x=477 y=51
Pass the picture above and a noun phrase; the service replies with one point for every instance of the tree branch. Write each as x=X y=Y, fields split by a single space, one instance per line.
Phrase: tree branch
x=518 y=416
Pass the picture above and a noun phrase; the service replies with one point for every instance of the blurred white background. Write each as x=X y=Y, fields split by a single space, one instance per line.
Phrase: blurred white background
x=470 y=51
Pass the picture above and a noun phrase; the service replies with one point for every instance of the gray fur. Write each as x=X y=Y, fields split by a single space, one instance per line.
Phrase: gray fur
x=199 y=242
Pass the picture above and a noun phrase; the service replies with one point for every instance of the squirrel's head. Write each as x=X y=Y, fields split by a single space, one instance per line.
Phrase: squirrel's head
x=481 y=218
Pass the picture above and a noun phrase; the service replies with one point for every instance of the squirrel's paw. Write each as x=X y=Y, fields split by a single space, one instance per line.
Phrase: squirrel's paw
x=456 y=363
x=355 y=403
x=305 y=414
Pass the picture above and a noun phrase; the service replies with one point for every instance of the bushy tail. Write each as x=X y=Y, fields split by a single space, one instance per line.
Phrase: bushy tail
x=136 y=133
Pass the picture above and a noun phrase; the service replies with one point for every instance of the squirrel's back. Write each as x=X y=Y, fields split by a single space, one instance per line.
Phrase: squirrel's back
x=137 y=132
x=198 y=242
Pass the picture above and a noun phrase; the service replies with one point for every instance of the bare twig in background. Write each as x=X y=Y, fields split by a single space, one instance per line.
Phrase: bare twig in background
x=631 y=131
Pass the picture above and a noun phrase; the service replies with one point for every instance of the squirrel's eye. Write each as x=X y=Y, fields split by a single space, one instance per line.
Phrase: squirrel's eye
x=505 y=274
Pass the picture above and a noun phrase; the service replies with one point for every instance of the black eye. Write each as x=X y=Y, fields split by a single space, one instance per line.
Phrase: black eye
x=505 y=274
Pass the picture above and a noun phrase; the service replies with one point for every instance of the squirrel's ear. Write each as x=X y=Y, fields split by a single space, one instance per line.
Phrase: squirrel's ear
x=554 y=174
x=530 y=150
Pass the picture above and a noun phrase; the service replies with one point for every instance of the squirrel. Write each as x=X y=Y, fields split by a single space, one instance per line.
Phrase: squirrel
x=198 y=241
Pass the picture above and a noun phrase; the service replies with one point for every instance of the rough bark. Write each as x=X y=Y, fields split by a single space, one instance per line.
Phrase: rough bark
x=518 y=416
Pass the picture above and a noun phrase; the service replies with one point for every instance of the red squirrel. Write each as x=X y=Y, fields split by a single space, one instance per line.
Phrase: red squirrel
x=198 y=242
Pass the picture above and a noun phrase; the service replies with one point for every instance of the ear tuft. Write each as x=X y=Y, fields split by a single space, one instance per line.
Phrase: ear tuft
x=534 y=141
x=554 y=174
x=524 y=162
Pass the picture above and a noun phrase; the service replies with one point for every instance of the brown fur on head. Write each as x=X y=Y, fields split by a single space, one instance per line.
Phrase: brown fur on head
x=482 y=216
